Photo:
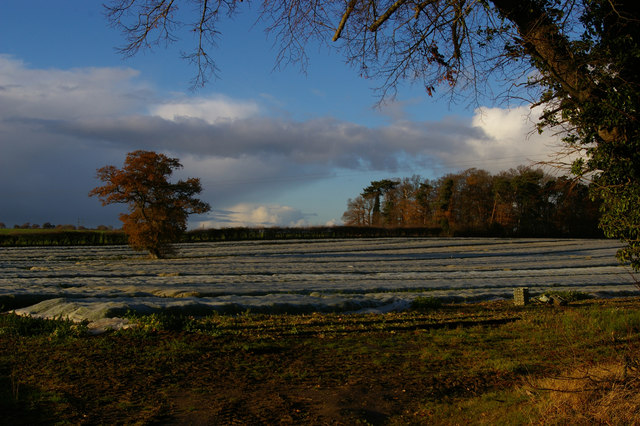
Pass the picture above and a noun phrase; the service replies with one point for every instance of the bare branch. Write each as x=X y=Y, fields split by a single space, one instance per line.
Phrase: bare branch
x=155 y=16
x=386 y=15
x=343 y=21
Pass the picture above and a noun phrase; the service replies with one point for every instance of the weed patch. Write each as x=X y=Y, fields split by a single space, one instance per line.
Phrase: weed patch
x=605 y=393
x=425 y=303
x=26 y=326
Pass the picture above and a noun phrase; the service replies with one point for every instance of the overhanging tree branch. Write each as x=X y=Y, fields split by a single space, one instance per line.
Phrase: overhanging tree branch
x=343 y=21
x=386 y=15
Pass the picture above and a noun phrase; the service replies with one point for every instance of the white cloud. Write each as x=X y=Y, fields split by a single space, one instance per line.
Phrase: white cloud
x=501 y=123
x=54 y=94
x=256 y=215
x=212 y=110
x=511 y=139
x=58 y=126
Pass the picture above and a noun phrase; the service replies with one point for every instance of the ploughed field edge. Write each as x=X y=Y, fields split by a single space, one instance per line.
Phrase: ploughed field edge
x=102 y=284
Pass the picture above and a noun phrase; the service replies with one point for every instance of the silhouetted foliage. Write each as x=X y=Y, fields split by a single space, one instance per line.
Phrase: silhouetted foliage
x=67 y=227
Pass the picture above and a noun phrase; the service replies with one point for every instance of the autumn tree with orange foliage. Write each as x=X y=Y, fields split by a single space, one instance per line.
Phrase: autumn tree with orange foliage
x=521 y=202
x=158 y=209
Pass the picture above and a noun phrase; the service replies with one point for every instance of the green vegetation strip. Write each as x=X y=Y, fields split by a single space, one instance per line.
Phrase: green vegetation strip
x=435 y=364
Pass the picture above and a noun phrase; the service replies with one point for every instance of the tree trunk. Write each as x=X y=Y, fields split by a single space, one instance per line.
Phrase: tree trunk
x=542 y=40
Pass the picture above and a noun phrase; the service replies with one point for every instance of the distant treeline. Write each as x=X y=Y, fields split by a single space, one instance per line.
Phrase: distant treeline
x=520 y=202
x=317 y=232
x=22 y=238
x=60 y=237
x=18 y=237
x=49 y=226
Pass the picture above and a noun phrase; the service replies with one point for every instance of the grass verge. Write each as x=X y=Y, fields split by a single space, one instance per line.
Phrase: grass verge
x=486 y=363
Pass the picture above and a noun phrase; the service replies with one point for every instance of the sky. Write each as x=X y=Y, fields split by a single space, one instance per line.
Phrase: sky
x=272 y=146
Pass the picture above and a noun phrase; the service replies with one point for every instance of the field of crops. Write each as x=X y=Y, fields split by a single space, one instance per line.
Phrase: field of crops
x=299 y=276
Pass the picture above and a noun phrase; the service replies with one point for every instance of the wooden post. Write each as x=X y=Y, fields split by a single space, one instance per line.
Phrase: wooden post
x=521 y=296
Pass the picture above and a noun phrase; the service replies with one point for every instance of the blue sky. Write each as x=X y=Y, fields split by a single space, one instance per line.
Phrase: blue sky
x=272 y=147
